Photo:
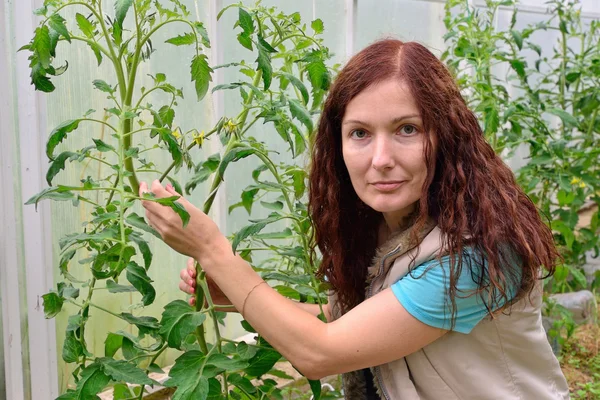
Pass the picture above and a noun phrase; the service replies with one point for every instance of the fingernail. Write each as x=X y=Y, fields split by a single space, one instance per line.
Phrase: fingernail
x=169 y=186
x=191 y=282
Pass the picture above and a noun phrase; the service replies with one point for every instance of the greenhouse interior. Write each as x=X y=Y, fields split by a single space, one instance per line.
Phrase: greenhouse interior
x=185 y=184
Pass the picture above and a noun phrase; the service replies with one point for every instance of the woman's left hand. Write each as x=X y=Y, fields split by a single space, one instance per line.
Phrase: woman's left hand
x=200 y=237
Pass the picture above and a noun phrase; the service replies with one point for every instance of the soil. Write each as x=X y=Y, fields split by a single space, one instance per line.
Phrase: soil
x=580 y=362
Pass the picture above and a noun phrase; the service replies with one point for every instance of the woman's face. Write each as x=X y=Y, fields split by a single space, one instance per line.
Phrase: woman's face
x=383 y=149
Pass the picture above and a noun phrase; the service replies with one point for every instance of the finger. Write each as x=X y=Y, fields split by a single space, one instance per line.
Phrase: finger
x=171 y=190
x=184 y=287
x=143 y=189
x=191 y=267
x=158 y=189
x=183 y=274
x=192 y=301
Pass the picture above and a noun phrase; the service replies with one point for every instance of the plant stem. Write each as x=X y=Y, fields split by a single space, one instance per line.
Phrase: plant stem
x=151 y=362
x=85 y=312
x=213 y=316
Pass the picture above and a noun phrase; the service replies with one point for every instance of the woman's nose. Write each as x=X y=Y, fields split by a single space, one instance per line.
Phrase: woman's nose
x=382 y=154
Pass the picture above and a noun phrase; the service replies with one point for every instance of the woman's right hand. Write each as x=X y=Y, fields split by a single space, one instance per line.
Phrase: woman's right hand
x=188 y=285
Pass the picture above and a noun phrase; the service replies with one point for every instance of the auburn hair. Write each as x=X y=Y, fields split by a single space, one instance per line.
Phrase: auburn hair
x=469 y=192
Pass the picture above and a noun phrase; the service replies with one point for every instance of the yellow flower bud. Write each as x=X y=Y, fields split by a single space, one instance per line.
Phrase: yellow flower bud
x=575 y=181
x=199 y=138
x=582 y=185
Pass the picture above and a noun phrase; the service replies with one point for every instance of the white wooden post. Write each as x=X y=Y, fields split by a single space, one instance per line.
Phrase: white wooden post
x=10 y=291
x=36 y=229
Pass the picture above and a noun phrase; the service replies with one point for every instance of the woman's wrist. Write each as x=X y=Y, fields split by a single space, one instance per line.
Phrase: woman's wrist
x=214 y=252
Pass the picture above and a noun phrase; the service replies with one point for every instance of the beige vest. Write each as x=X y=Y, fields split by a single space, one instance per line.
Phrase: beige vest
x=505 y=358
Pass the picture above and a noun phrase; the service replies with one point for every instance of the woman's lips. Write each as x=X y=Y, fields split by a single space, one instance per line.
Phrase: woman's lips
x=387 y=186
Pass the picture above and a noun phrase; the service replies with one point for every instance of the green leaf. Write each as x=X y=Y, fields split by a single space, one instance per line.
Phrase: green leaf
x=114 y=287
x=144 y=248
x=52 y=304
x=245 y=21
x=112 y=344
x=519 y=67
x=57 y=23
x=59 y=164
x=291 y=279
x=317 y=26
x=275 y=205
x=122 y=392
x=243 y=383
x=74 y=323
x=201 y=75
x=565 y=231
x=136 y=275
x=179 y=319
x=92 y=381
x=96 y=49
x=245 y=40
x=176 y=185
x=182 y=40
x=103 y=147
x=141 y=322
x=187 y=377
x=67 y=290
x=41 y=46
x=491 y=121
x=318 y=74
x=246 y=352
x=58 y=134
x=225 y=86
x=40 y=80
x=567 y=119
x=52 y=194
x=123 y=371
x=139 y=222
x=299 y=85
x=264 y=61
x=226 y=363
x=103 y=86
x=315 y=387
x=280 y=374
x=72 y=348
x=517 y=38
x=86 y=27
x=181 y=211
x=301 y=113
x=203 y=171
x=203 y=33
x=233 y=155
x=262 y=362
x=248 y=199
x=245 y=232
x=121 y=9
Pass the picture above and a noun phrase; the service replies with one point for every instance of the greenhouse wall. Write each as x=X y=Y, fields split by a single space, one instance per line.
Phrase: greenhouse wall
x=31 y=366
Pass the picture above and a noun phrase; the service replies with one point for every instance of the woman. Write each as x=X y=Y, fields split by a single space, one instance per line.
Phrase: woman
x=409 y=201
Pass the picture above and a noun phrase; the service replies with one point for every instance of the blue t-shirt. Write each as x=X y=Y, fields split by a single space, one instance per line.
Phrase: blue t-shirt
x=423 y=292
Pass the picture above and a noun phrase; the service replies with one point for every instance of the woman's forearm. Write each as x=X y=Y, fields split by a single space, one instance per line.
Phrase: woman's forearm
x=312 y=309
x=292 y=328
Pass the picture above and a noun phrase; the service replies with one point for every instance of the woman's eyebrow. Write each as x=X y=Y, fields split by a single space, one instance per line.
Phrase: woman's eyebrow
x=393 y=121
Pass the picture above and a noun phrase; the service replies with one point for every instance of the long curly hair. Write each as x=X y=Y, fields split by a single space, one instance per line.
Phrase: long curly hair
x=469 y=192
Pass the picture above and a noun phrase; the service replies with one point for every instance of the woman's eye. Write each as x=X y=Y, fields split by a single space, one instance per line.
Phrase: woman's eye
x=408 y=130
x=358 y=134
